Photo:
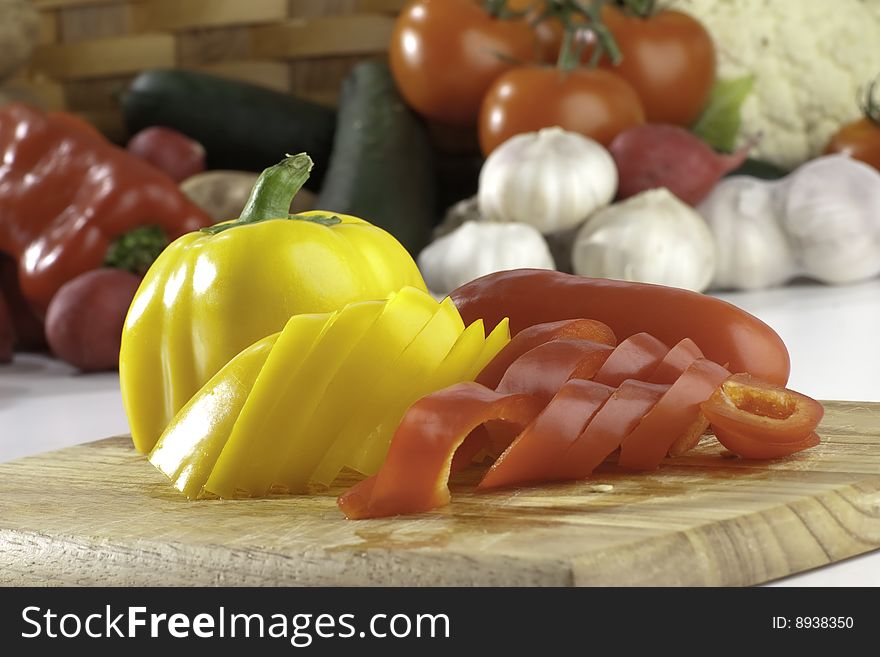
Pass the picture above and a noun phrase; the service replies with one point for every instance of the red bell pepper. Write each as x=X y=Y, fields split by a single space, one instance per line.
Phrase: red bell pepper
x=68 y=194
x=725 y=333
x=7 y=331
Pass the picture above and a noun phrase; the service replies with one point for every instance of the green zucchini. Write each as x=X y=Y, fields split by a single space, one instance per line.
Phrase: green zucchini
x=242 y=126
x=381 y=168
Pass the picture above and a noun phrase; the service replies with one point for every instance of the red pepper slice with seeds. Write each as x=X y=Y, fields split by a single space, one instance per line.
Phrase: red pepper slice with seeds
x=756 y=419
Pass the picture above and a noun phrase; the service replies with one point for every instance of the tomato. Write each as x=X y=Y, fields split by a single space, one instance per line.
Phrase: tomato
x=676 y=417
x=860 y=140
x=446 y=53
x=668 y=58
x=756 y=419
x=726 y=334
x=595 y=103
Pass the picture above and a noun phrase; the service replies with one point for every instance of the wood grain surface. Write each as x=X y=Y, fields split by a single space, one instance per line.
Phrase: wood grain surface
x=100 y=514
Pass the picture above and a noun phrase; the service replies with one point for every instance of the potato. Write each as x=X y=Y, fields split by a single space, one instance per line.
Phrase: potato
x=169 y=150
x=85 y=317
x=222 y=194
x=7 y=334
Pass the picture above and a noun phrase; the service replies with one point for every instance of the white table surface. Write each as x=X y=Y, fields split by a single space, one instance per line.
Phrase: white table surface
x=833 y=334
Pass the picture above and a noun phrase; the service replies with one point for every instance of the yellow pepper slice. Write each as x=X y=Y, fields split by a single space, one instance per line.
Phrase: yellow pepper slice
x=394 y=389
x=460 y=359
x=188 y=450
x=495 y=342
x=404 y=316
x=250 y=448
x=294 y=400
x=455 y=368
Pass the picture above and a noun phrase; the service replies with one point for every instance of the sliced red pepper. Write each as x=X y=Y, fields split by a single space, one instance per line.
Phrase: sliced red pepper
x=535 y=453
x=635 y=358
x=675 y=417
x=673 y=365
x=746 y=447
x=756 y=419
x=533 y=336
x=543 y=370
x=415 y=474
x=608 y=428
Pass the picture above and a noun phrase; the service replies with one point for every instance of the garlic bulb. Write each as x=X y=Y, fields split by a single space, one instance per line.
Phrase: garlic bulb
x=551 y=180
x=479 y=248
x=752 y=251
x=821 y=221
x=831 y=214
x=466 y=210
x=650 y=238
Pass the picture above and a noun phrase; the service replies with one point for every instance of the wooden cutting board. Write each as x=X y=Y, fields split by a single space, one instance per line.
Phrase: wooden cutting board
x=100 y=514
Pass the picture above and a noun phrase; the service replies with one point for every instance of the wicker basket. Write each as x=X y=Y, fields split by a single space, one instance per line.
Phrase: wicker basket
x=91 y=49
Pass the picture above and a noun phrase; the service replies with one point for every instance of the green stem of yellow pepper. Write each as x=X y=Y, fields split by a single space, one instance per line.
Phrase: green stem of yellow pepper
x=273 y=193
x=275 y=188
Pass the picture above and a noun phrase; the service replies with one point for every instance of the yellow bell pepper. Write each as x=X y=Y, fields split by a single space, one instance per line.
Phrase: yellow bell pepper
x=327 y=392
x=214 y=292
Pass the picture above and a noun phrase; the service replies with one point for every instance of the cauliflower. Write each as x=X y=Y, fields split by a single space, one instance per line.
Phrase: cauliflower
x=809 y=59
